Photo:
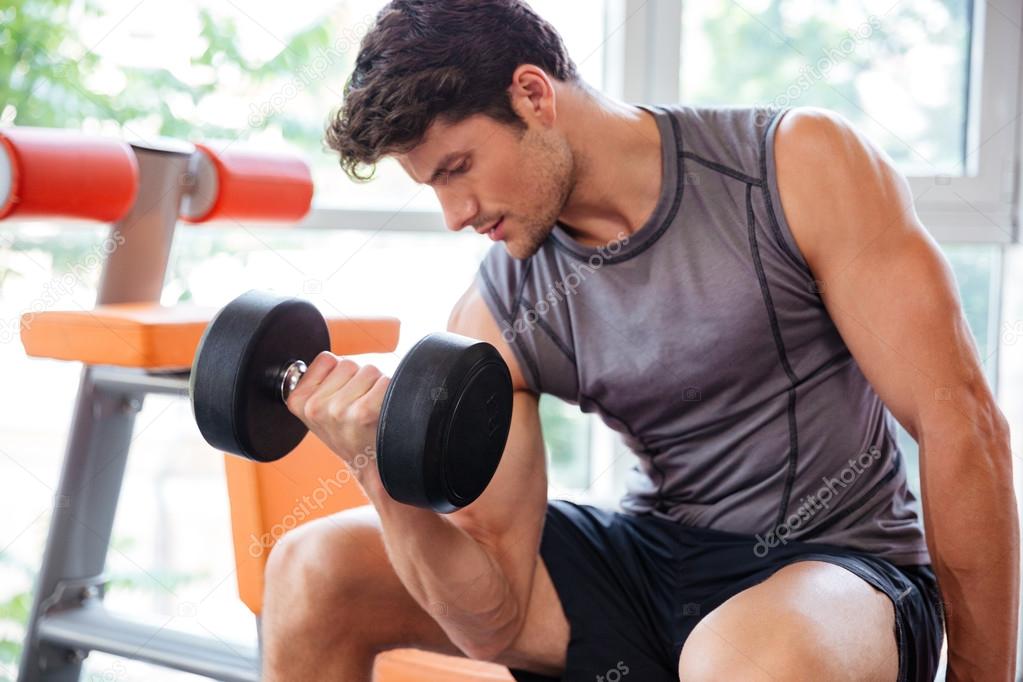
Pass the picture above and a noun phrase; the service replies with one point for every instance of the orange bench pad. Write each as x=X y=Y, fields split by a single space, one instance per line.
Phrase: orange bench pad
x=409 y=665
x=158 y=337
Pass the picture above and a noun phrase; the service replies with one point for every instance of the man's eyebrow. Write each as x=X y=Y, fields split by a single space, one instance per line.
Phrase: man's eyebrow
x=444 y=163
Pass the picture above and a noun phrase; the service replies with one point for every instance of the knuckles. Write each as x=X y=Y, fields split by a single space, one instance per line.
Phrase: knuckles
x=325 y=359
x=321 y=409
x=345 y=367
x=369 y=372
x=363 y=414
x=313 y=410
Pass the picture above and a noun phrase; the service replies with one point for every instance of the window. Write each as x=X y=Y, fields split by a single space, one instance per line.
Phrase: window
x=933 y=82
x=568 y=435
x=899 y=72
x=249 y=71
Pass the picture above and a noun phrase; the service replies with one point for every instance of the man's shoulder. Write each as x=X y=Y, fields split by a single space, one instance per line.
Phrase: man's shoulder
x=471 y=316
x=724 y=138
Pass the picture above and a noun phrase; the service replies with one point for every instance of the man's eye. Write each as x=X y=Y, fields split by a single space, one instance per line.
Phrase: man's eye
x=457 y=170
x=444 y=176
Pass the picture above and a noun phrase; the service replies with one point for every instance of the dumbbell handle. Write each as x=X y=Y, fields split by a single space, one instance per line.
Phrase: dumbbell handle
x=290 y=378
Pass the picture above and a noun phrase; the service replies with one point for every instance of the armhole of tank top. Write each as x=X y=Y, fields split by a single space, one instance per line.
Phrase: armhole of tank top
x=772 y=196
x=506 y=321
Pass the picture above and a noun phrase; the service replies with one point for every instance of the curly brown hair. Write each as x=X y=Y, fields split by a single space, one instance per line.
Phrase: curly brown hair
x=429 y=59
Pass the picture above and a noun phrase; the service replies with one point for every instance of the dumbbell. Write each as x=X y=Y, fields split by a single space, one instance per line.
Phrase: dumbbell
x=444 y=420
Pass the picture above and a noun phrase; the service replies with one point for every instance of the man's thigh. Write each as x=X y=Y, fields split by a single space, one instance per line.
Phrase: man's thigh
x=810 y=620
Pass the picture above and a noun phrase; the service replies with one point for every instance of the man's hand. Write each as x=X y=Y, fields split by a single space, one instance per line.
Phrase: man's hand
x=340 y=402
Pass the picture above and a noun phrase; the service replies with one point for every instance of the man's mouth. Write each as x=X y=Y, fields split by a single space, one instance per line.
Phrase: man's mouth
x=496 y=231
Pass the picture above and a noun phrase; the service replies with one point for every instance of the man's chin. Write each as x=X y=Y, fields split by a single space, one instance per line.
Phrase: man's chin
x=517 y=251
x=523 y=247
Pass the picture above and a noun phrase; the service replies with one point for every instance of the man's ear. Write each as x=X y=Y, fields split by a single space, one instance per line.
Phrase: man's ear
x=533 y=95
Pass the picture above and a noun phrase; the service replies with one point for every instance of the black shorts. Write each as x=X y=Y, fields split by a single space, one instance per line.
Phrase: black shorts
x=634 y=587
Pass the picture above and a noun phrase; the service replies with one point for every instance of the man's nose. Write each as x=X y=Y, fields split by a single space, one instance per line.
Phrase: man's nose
x=459 y=211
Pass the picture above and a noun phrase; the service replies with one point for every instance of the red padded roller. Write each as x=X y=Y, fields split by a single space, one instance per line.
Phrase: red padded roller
x=247 y=185
x=49 y=172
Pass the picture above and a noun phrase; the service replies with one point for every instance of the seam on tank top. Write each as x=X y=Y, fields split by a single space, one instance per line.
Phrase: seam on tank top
x=766 y=190
x=723 y=169
x=517 y=304
x=562 y=346
x=650 y=457
x=505 y=315
x=668 y=219
x=530 y=361
x=868 y=496
x=844 y=355
x=520 y=298
x=779 y=344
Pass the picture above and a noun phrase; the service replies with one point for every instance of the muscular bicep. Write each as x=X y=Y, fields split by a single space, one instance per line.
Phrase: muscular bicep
x=511 y=509
x=887 y=286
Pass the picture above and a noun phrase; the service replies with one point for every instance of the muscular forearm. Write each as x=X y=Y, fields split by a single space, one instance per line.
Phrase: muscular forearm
x=973 y=533
x=456 y=577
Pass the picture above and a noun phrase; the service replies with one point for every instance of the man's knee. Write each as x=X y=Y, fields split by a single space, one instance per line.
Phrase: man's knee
x=784 y=648
x=324 y=562
x=809 y=621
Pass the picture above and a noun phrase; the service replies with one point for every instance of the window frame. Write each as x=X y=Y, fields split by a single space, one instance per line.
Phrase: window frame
x=983 y=205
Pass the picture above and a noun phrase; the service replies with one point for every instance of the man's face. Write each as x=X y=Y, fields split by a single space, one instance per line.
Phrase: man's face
x=505 y=183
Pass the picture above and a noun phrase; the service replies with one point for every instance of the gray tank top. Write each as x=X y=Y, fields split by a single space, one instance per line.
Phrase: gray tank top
x=702 y=338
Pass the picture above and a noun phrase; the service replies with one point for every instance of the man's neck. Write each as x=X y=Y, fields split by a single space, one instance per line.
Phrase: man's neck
x=618 y=164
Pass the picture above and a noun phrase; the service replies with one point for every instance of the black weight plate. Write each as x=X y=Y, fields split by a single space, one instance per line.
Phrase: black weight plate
x=235 y=380
x=444 y=422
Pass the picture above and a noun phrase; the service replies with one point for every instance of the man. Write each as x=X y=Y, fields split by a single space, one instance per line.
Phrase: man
x=749 y=298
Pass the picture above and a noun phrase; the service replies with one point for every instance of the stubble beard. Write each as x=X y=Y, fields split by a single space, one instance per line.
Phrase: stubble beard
x=553 y=176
